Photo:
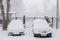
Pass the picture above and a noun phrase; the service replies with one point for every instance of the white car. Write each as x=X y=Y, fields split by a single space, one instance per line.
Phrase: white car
x=15 y=28
x=41 y=28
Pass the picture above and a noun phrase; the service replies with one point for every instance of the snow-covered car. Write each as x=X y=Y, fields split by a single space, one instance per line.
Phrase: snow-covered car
x=15 y=28
x=41 y=28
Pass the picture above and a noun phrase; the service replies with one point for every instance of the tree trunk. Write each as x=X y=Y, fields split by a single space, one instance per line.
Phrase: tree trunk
x=3 y=15
x=7 y=14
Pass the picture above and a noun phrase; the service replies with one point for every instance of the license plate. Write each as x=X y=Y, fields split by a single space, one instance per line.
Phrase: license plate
x=43 y=34
x=16 y=32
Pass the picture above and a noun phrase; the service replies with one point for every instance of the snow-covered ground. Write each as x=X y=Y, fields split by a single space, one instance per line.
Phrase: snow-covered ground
x=28 y=35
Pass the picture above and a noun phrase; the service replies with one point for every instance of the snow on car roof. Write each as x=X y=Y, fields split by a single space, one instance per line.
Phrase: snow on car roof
x=16 y=21
x=40 y=22
x=15 y=24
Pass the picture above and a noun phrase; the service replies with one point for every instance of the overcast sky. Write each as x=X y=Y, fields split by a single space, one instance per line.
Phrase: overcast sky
x=33 y=7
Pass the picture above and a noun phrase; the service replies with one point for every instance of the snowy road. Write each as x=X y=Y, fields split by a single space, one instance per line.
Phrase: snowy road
x=28 y=35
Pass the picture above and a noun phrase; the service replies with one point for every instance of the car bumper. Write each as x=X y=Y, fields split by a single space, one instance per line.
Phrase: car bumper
x=40 y=35
x=19 y=34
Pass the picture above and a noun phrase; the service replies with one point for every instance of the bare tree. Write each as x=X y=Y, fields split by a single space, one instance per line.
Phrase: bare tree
x=5 y=20
x=7 y=13
x=3 y=14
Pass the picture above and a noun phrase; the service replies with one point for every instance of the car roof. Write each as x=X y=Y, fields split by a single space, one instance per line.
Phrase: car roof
x=16 y=21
